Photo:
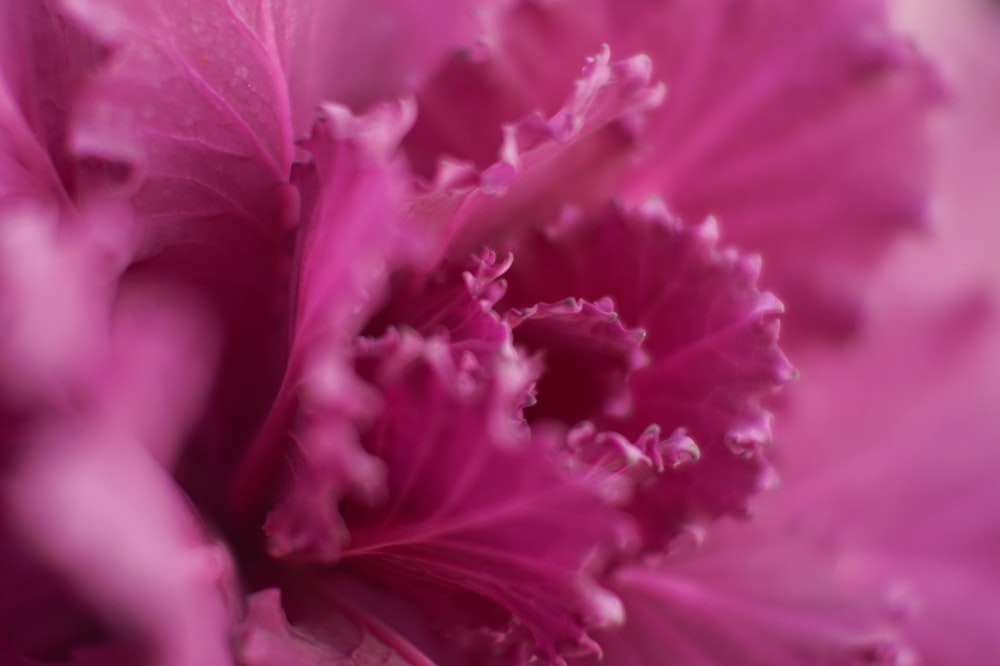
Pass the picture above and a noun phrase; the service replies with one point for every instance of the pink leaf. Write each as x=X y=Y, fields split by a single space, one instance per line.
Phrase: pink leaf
x=544 y=160
x=481 y=523
x=711 y=343
x=351 y=238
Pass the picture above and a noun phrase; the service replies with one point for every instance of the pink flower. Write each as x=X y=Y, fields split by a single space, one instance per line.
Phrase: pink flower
x=360 y=333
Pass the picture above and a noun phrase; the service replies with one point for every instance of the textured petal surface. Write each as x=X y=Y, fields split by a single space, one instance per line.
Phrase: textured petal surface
x=711 y=341
x=481 y=524
x=43 y=61
x=543 y=160
x=350 y=238
x=802 y=126
x=190 y=116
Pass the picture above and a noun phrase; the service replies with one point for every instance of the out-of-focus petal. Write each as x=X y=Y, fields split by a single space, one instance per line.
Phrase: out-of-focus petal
x=333 y=638
x=901 y=476
x=754 y=597
x=711 y=343
x=86 y=495
x=358 y=52
x=44 y=60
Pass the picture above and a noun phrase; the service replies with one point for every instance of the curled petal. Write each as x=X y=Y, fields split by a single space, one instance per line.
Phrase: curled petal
x=479 y=525
x=570 y=330
x=711 y=345
x=351 y=238
x=803 y=127
x=544 y=161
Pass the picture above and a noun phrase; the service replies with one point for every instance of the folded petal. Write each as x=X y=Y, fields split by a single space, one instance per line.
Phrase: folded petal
x=351 y=237
x=710 y=344
x=544 y=161
x=755 y=597
x=801 y=126
x=481 y=523
x=44 y=60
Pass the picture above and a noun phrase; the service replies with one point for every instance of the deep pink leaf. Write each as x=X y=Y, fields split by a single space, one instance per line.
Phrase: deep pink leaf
x=711 y=342
x=543 y=160
x=802 y=126
x=351 y=238
x=481 y=524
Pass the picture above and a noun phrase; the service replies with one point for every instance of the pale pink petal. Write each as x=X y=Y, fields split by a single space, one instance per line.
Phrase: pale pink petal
x=901 y=475
x=752 y=596
x=358 y=52
x=711 y=344
x=140 y=563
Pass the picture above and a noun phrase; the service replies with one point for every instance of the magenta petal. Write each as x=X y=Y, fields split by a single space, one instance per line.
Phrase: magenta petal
x=351 y=238
x=481 y=524
x=359 y=52
x=803 y=128
x=545 y=160
x=456 y=302
x=711 y=344
x=333 y=639
x=216 y=143
x=568 y=332
x=142 y=564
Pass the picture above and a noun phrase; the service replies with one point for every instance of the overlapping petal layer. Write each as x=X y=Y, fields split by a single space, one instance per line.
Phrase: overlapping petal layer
x=543 y=160
x=351 y=235
x=481 y=521
x=711 y=344
x=801 y=126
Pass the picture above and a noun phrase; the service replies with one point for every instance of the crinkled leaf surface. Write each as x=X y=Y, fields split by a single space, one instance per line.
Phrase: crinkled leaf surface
x=711 y=342
x=351 y=237
x=802 y=126
x=481 y=524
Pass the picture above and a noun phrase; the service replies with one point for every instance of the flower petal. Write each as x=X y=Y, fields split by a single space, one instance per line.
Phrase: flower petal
x=711 y=343
x=480 y=525
x=801 y=126
x=567 y=332
x=544 y=161
x=751 y=598
x=352 y=237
